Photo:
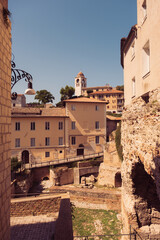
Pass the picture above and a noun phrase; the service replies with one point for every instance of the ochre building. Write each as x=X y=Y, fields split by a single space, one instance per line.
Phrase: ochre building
x=48 y=134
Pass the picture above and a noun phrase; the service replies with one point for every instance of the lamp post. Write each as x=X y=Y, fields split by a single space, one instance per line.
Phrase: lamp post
x=17 y=75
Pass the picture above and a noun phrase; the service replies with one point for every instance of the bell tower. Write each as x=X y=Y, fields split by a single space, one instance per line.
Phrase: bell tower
x=80 y=82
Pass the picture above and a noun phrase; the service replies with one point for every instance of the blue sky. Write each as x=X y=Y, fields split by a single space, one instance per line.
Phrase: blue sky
x=53 y=40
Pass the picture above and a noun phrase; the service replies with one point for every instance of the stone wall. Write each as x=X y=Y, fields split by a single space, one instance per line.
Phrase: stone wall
x=110 y=169
x=141 y=165
x=24 y=181
x=40 y=173
x=5 y=121
x=61 y=176
x=46 y=205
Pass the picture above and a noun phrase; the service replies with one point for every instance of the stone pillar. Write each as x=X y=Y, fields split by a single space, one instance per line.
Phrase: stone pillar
x=5 y=121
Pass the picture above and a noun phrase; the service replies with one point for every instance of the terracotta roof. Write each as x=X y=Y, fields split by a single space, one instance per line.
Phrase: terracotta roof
x=106 y=92
x=103 y=87
x=20 y=95
x=113 y=118
x=80 y=74
x=43 y=112
x=84 y=99
x=60 y=112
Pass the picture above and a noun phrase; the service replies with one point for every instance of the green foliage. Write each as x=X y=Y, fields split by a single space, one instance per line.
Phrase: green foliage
x=15 y=164
x=121 y=88
x=43 y=97
x=60 y=104
x=114 y=114
x=118 y=142
x=84 y=222
x=67 y=92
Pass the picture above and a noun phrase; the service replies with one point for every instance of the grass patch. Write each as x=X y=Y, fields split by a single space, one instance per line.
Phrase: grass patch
x=87 y=222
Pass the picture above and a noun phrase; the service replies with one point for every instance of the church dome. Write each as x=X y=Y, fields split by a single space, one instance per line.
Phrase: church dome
x=80 y=74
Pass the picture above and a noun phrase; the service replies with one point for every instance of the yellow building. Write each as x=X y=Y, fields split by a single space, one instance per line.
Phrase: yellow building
x=58 y=133
x=140 y=52
x=114 y=98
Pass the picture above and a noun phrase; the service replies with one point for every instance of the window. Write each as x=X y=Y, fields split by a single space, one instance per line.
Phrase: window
x=73 y=108
x=60 y=151
x=47 y=141
x=133 y=88
x=73 y=140
x=60 y=125
x=144 y=11
x=17 y=126
x=17 y=142
x=96 y=125
x=133 y=49
x=73 y=125
x=32 y=142
x=77 y=82
x=47 y=154
x=60 y=140
x=97 y=139
x=146 y=59
x=33 y=126
x=97 y=108
x=47 y=125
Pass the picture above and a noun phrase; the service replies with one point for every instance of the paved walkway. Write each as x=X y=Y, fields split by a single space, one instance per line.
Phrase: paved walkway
x=32 y=227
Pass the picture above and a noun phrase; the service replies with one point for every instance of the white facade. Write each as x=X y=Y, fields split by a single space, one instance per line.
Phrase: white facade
x=80 y=82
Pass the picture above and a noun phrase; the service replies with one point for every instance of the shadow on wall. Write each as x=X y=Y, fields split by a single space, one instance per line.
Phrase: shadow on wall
x=145 y=189
x=36 y=231
x=63 y=228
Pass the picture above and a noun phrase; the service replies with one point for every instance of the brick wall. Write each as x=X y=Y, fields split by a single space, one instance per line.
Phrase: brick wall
x=5 y=120
x=35 y=206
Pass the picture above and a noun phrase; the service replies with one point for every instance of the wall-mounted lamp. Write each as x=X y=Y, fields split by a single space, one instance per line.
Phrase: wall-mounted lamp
x=17 y=75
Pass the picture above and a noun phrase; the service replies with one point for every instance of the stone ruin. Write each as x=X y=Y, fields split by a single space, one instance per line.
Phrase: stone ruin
x=141 y=166
x=88 y=182
x=110 y=170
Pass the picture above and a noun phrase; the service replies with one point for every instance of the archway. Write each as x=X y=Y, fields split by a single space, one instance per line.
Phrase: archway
x=118 y=179
x=80 y=150
x=45 y=178
x=25 y=157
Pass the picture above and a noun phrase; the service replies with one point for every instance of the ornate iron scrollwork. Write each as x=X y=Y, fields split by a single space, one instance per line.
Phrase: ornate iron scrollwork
x=18 y=74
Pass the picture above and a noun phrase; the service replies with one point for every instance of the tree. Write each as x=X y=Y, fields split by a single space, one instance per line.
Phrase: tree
x=121 y=88
x=43 y=96
x=66 y=92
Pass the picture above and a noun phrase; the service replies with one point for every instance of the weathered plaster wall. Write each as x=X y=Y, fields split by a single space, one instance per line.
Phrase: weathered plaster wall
x=141 y=165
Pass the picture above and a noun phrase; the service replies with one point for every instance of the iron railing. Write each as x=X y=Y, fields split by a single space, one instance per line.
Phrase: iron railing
x=61 y=161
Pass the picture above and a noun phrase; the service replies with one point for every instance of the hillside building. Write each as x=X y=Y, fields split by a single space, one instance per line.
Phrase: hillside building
x=114 y=98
